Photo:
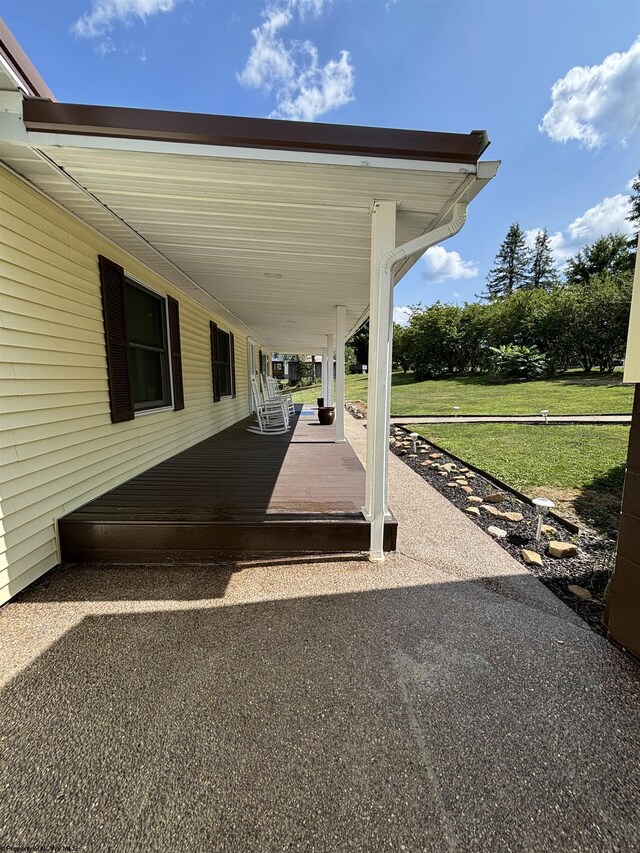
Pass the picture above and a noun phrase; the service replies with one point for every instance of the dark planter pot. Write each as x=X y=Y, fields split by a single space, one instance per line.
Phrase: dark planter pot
x=320 y=402
x=326 y=415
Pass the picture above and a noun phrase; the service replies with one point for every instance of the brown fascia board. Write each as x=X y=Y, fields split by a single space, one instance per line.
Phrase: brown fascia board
x=234 y=131
x=21 y=64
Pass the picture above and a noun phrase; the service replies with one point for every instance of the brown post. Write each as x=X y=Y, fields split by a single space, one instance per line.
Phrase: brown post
x=622 y=614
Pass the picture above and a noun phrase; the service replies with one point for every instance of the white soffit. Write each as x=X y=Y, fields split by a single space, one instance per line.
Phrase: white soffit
x=278 y=243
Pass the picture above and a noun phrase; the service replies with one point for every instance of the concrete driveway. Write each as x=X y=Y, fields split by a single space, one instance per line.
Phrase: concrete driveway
x=443 y=701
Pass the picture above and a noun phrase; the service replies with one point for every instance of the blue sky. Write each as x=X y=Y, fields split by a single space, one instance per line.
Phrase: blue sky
x=451 y=66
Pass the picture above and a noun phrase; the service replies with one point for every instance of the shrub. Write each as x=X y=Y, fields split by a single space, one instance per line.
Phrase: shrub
x=517 y=362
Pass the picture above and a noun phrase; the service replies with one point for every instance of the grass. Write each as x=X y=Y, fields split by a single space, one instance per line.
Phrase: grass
x=570 y=394
x=581 y=467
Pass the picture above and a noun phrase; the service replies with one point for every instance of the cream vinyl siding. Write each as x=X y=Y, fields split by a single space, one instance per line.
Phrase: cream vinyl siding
x=58 y=446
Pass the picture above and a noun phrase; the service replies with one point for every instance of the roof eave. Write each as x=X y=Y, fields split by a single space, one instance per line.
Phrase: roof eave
x=235 y=131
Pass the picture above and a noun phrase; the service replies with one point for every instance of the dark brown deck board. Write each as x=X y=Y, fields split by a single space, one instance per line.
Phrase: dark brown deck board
x=236 y=492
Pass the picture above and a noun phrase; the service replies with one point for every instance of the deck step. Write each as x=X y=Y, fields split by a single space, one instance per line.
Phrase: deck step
x=163 y=541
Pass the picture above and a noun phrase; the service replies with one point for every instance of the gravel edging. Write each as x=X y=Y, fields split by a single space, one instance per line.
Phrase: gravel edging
x=589 y=570
x=569 y=525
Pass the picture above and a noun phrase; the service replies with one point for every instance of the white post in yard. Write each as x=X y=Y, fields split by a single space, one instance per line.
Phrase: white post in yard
x=383 y=240
x=329 y=398
x=341 y=317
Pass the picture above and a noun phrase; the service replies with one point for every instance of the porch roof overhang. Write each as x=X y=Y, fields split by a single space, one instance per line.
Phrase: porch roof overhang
x=266 y=222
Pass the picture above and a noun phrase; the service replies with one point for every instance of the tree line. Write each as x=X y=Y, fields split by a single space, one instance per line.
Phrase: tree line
x=532 y=320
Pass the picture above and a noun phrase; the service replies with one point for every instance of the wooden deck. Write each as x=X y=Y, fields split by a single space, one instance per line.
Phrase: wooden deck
x=235 y=493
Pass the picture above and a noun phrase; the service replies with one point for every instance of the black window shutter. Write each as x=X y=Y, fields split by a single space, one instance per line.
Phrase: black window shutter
x=115 y=335
x=215 y=364
x=232 y=354
x=260 y=361
x=176 y=353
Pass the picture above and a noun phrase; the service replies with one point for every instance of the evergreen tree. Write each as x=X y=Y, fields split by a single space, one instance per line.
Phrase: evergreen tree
x=512 y=266
x=543 y=269
x=609 y=255
x=634 y=202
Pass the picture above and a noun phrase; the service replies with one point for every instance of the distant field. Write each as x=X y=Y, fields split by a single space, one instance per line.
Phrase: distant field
x=581 y=467
x=570 y=394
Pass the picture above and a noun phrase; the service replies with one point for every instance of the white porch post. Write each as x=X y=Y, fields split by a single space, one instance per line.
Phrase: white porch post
x=329 y=398
x=341 y=315
x=323 y=375
x=383 y=240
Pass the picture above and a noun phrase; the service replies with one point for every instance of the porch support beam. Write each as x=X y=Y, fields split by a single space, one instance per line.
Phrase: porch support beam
x=323 y=375
x=341 y=322
x=328 y=400
x=383 y=241
x=385 y=258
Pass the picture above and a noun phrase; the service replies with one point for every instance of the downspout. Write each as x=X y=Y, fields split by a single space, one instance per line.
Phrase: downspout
x=388 y=264
x=423 y=242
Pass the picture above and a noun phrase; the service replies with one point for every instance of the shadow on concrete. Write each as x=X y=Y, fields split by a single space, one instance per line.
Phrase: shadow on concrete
x=419 y=718
x=156 y=581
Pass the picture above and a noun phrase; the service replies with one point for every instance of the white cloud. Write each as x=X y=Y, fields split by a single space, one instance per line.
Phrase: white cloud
x=440 y=265
x=105 y=14
x=304 y=88
x=606 y=217
x=596 y=103
x=319 y=89
x=401 y=314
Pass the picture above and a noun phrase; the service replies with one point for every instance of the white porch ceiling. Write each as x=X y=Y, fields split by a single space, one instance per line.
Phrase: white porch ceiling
x=279 y=244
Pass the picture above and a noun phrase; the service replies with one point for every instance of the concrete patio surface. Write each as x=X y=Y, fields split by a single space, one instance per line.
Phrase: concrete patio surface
x=444 y=700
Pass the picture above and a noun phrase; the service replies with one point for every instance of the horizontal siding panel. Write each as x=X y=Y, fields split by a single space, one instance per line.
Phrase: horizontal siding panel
x=48 y=344
x=27 y=362
x=35 y=417
x=59 y=447
x=12 y=581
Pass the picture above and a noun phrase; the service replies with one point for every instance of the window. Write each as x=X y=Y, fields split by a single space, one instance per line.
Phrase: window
x=139 y=346
x=223 y=366
x=224 y=363
x=148 y=347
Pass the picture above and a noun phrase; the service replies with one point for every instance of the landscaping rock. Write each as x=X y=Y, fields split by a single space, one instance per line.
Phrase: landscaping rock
x=452 y=485
x=474 y=499
x=548 y=530
x=466 y=489
x=497 y=532
x=435 y=455
x=531 y=558
x=492 y=510
x=512 y=516
x=470 y=475
x=450 y=466
x=579 y=591
x=561 y=549
x=495 y=498
x=424 y=449
x=461 y=481
x=472 y=510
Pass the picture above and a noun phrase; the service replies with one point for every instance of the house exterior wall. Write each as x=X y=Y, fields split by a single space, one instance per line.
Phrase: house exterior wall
x=59 y=447
x=622 y=615
x=632 y=360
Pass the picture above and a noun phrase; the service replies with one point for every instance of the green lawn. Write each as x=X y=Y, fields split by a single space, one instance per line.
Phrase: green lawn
x=570 y=394
x=581 y=467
